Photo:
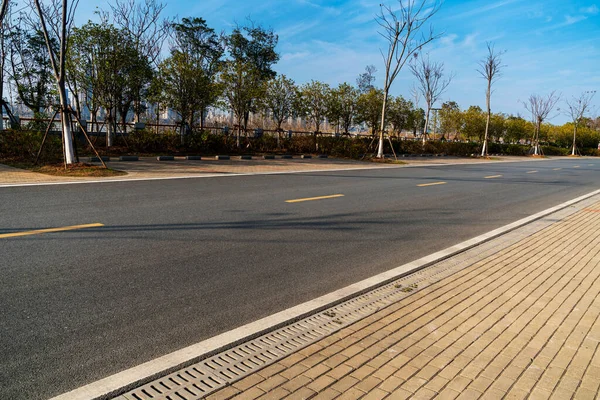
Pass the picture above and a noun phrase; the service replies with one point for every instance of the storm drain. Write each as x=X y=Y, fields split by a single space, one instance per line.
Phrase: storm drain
x=213 y=373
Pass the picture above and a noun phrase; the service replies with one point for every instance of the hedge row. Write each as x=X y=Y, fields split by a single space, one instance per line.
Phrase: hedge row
x=25 y=144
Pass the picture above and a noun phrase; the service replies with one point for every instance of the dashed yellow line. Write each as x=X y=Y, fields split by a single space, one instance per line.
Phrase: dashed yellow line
x=531 y=172
x=493 y=176
x=576 y=166
x=556 y=169
x=49 y=230
x=431 y=184
x=333 y=196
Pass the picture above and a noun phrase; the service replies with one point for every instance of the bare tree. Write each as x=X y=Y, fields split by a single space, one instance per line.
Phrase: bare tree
x=490 y=69
x=401 y=30
x=576 y=110
x=56 y=19
x=540 y=108
x=430 y=82
x=3 y=10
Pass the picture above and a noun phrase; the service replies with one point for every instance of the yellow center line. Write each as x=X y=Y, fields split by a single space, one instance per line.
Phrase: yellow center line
x=432 y=184
x=531 y=172
x=333 y=196
x=576 y=166
x=556 y=169
x=493 y=176
x=49 y=230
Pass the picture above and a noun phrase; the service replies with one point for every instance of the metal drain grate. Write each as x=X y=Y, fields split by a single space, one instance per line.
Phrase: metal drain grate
x=216 y=372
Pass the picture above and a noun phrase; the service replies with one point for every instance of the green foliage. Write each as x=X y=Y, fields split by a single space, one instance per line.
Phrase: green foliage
x=474 y=123
x=451 y=118
x=369 y=107
x=280 y=99
x=30 y=68
x=24 y=145
x=244 y=76
x=314 y=100
x=400 y=113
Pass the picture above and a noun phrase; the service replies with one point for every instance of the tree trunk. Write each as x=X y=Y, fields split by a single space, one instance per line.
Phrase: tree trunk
x=382 y=125
x=574 y=138
x=426 y=125
x=66 y=124
x=488 y=94
x=109 y=128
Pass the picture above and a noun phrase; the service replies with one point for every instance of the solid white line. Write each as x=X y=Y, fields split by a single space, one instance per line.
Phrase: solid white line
x=214 y=175
x=131 y=378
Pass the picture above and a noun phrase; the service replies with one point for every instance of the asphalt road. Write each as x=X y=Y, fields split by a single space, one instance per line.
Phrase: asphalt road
x=179 y=261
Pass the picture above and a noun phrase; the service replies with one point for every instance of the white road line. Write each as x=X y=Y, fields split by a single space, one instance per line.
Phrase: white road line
x=132 y=377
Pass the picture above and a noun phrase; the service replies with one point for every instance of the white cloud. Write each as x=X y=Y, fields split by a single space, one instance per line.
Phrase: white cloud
x=591 y=10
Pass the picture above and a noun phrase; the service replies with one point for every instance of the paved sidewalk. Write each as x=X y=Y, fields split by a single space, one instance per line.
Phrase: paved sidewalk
x=522 y=323
x=149 y=168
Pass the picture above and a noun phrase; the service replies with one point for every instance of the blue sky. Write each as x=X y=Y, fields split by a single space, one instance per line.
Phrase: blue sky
x=550 y=45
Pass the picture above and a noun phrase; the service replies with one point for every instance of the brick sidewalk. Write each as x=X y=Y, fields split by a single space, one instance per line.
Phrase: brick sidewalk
x=523 y=323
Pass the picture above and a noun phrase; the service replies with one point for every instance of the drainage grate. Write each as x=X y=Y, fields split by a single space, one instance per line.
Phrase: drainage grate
x=216 y=372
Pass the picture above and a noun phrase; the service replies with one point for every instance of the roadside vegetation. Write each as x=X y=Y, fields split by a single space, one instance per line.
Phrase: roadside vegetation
x=134 y=64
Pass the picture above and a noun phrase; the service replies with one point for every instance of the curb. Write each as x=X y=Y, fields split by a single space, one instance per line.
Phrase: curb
x=129 y=158
x=141 y=374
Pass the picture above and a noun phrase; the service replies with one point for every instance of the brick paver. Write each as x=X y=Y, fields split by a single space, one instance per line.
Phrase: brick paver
x=523 y=323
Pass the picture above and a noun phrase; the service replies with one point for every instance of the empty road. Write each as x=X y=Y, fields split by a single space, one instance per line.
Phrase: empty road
x=135 y=270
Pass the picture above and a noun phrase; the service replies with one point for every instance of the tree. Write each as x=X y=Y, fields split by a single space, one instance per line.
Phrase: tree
x=517 y=129
x=430 y=83
x=31 y=69
x=366 y=80
x=58 y=16
x=400 y=29
x=252 y=55
x=400 y=114
x=142 y=23
x=576 y=110
x=473 y=123
x=313 y=99
x=490 y=69
x=280 y=100
x=190 y=74
x=342 y=106
x=540 y=108
x=450 y=118
x=368 y=108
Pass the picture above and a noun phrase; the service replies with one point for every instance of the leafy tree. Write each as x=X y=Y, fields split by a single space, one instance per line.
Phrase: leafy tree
x=188 y=78
x=313 y=102
x=368 y=109
x=347 y=100
x=474 y=123
x=244 y=77
x=450 y=118
x=31 y=69
x=517 y=128
x=280 y=99
x=400 y=114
